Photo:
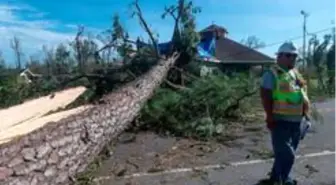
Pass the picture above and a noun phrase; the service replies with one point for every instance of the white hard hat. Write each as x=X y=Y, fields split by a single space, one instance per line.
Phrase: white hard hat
x=287 y=47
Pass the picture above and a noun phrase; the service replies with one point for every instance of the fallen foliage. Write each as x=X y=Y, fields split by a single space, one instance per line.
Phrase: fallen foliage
x=202 y=110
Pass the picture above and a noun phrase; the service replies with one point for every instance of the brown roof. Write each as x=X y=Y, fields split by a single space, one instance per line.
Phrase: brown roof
x=230 y=50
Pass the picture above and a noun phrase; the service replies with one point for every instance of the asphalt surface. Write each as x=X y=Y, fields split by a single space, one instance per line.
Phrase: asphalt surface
x=315 y=164
x=312 y=171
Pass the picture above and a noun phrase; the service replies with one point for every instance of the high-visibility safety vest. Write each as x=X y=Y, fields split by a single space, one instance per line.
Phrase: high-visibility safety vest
x=288 y=98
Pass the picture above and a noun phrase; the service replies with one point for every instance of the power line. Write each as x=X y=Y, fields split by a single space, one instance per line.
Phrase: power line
x=280 y=42
x=296 y=38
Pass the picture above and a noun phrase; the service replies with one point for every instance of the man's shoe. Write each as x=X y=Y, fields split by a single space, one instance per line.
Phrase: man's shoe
x=268 y=182
x=291 y=182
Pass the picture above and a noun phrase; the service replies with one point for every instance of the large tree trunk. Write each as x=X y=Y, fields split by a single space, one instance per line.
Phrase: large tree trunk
x=55 y=153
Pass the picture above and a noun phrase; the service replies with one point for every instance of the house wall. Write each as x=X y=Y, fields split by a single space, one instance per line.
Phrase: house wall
x=255 y=69
x=205 y=68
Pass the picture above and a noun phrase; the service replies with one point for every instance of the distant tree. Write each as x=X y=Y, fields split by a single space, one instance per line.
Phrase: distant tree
x=85 y=50
x=105 y=38
x=61 y=53
x=321 y=60
x=117 y=39
x=331 y=62
x=62 y=56
x=77 y=45
x=16 y=46
x=35 y=65
x=49 y=60
x=2 y=62
x=253 y=42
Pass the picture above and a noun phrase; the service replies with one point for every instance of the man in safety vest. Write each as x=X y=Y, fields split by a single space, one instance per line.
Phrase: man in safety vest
x=285 y=101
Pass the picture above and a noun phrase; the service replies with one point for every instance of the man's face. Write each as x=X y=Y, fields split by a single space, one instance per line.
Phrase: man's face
x=287 y=59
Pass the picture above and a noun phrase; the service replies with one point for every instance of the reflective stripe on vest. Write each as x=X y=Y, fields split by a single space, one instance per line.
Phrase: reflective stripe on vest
x=287 y=97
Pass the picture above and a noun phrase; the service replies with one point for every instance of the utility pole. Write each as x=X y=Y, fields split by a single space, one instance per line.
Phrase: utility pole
x=305 y=15
x=305 y=63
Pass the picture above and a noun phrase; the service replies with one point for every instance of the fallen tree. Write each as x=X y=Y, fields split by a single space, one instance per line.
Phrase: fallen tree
x=76 y=140
x=55 y=153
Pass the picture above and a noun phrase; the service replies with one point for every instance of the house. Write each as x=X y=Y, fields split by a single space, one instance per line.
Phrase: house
x=216 y=50
x=229 y=54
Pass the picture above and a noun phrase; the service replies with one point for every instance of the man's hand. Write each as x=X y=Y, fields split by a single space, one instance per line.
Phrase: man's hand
x=266 y=96
x=270 y=122
x=307 y=109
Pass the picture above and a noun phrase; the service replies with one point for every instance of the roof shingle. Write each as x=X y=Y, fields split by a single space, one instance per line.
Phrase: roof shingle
x=227 y=49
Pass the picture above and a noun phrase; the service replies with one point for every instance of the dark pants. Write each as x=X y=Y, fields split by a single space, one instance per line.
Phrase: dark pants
x=285 y=140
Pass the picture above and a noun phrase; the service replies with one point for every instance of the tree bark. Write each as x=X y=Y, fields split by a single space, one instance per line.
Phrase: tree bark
x=88 y=131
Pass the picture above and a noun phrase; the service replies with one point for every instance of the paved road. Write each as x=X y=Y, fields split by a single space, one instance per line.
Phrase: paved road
x=315 y=164
x=309 y=171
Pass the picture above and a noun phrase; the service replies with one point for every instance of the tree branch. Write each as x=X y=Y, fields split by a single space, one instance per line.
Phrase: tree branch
x=88 y=76
x=111 y=44
x=177 y=33
x=175 y=86
x=171 y=11
x=130 y=73
x=185 y=72
x=146 y=27
x=235 y=106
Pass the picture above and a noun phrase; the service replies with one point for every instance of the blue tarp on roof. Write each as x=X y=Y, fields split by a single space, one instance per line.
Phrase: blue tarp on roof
x=206 y=48
x=209 y=45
